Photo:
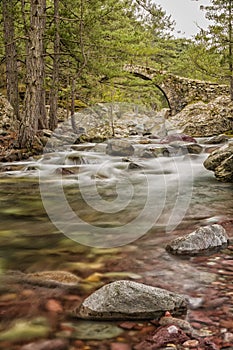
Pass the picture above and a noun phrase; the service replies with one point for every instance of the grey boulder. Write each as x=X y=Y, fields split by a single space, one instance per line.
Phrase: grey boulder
x=202 y=240
x=130 y=300
x=221 y=162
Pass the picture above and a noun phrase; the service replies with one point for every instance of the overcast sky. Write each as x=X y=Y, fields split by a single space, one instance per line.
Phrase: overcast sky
x=187 y=14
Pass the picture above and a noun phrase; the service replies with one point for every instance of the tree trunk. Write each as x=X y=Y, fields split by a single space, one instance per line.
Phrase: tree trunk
x=72 y=109
x=11 y=55
x=35 y=112
x=55 y=79
x=230 y=47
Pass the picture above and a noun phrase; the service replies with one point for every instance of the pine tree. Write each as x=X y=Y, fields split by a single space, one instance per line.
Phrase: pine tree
x=219 y=35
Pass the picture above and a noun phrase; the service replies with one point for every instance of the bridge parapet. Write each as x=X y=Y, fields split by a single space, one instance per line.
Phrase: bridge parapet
x=179 y=91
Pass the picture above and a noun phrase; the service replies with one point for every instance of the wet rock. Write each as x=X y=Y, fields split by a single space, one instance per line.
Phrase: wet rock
x=120 y=346
x=178 y=137
x=193 y=148
x=85 y=330
x=74 y=158
x=117 y=301
x=192 y=343
x=59 y=278
x=134 y=166
x=221 y=162
x=7 y=119
x=170 y=334
x=195 y=303
x=47 y=133
x=216 y=140
x=118 y=147
x=205 y=119
x=54 y=306
x=218 y=156
x=58 y=344
x=203 y=239
x=158 y=151
x=23 y=330
x=83 y=147
x=224 y=172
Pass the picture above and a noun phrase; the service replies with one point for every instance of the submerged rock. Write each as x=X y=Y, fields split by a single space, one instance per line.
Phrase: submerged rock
x=119 y=147
x=51 y=344
x=184 y=147
x=62 y=278
x=130 y=300
x=178 y=137
x=216 y=140
x=221 y=162
x=202 y=240
x=86 y=330
x=24 y=330
x=155 y=151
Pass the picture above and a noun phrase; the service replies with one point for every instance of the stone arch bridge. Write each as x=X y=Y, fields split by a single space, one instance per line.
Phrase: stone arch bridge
x=179 y=91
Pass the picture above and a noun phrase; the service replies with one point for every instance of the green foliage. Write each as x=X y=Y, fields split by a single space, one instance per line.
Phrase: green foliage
x=97 y=37
x=218 y=39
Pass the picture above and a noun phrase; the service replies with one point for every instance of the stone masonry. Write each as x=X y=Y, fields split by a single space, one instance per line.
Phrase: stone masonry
x=179 y=91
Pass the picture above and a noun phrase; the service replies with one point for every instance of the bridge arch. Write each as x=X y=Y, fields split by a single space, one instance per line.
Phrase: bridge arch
x=179 y=91
x=144 y=77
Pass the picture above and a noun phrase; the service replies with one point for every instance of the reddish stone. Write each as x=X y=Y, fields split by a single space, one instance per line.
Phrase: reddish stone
x=199 y=317
x=215 y=302
x=79 y=344
x=227 y=324
x=54 y=306
x=27 y=293
x=163 y=336
x=192 y=343
x=120 y=346
x=58 y=344
x=128 y=325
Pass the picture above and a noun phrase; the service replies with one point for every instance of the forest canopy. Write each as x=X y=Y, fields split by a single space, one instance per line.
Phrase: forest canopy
x=61 y=53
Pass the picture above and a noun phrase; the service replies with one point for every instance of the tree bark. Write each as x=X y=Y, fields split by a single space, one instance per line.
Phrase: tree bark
x=55 y=79
x=35 y=112
x=11 y=55
x=230 y=47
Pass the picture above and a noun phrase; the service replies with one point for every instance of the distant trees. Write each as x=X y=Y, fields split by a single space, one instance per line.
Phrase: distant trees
x=218 y=38
x=58 y=48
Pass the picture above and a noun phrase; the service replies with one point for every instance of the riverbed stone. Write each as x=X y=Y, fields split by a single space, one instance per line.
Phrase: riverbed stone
x=221 y=162
x=178 y=137
x=214 y=140
x=56 y=278
x=131 y=300
x=118 y=147
x=184 y=147
x=202 y=240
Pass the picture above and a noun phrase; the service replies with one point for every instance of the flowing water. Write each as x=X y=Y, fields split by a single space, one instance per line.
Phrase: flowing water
x=81 y=206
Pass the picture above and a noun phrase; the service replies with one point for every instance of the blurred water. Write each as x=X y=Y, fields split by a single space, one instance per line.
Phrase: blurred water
x=103 y=192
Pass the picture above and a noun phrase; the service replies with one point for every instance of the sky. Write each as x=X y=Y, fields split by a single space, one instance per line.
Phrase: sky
x=187 y=15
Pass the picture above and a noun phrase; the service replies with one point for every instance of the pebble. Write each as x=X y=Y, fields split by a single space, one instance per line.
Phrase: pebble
x=58 y=344
x=54 y=306
x=120 y=346
x=192 y=343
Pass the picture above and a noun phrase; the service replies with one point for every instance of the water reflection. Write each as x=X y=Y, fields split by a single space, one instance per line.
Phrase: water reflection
x=31 y=242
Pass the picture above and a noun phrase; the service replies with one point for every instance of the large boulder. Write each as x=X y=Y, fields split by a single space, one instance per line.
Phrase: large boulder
x=7 y=119
x=205 y=119
x=130 y=300
x=221 y=162
x=203 y=240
